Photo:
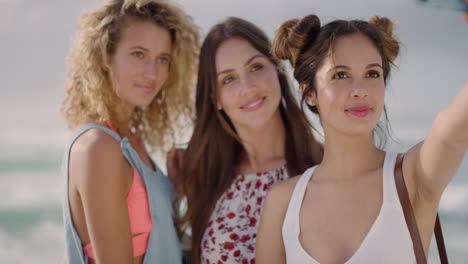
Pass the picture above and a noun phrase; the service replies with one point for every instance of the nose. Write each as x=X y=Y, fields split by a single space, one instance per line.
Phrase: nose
x=248 y=84
x=359 y=89
x=150 y=70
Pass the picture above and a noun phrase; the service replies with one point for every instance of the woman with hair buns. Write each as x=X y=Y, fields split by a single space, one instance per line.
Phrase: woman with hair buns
x=347 y=208
x=131 y=70
x=249 y=133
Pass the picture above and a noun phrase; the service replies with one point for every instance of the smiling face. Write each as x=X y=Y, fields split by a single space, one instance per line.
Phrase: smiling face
x=140 y=65
x=350 y=87
x=248 y=89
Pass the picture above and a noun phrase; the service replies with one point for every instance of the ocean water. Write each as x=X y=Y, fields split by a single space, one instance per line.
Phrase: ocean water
x=32 y=189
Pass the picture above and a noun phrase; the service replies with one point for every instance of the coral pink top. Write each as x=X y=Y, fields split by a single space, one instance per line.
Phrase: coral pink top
x=138 y=212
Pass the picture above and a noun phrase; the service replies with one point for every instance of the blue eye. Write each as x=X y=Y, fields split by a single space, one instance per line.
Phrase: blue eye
x=164 y=60
x=138 y=54
x=373 y=74
x=340 y=75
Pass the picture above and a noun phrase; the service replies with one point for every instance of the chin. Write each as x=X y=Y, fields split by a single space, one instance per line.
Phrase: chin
x=140 y=104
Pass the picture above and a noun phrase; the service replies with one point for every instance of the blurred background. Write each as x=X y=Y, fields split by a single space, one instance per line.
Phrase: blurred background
x=35 y=38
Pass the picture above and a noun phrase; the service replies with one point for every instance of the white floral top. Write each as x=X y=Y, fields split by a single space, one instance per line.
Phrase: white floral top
x=232 y=229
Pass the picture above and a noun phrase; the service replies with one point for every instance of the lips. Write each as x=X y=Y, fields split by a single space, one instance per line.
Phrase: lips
x=359 y=111
x=147 y=88
x=254 y=104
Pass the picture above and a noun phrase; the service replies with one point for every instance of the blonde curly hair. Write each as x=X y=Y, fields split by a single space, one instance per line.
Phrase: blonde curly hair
x=90 y=90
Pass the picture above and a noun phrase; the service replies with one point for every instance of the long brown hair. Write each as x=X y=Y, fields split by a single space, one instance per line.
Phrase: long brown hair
x=306 y=44
x=213 y=152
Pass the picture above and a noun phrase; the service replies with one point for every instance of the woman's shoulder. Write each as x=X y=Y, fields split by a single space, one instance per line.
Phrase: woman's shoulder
x=281 y=192
x=96 y=157
x=97 y=144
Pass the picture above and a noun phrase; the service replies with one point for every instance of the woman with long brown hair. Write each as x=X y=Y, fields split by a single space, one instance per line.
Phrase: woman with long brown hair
x=249 y=133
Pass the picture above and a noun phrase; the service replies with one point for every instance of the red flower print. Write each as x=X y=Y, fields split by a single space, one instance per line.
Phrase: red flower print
x=259 y=200
x=229 y=245
x=258 y=184
x=234 y=236
x=251 y=248
x=231 y=229
x=253 y=221
x=244 y=238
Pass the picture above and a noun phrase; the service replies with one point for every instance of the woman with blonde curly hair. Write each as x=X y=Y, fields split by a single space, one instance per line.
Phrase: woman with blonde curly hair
x=129 y=82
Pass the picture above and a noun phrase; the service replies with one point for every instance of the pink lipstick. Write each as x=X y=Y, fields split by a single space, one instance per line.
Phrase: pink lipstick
x=359 y=111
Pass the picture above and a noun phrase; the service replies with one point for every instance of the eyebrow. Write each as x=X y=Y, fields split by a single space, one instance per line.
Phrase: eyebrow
x=246 y=63
x=347 y=68
x=145 y=49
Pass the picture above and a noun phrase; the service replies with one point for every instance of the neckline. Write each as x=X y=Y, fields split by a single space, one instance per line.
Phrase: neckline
x=282 y=166
x=145 y=166
x=364 y=242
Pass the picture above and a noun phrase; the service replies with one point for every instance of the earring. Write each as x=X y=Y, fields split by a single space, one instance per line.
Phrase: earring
x=310 y=101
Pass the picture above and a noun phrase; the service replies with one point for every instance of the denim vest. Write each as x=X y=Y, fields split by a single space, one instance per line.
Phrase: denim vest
x=163 y=245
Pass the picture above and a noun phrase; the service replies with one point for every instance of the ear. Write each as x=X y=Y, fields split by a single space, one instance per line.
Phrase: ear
x=219 y=106
x=311 y=99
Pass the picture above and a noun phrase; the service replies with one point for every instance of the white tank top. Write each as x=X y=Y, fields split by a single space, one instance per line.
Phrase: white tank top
x=388 y=240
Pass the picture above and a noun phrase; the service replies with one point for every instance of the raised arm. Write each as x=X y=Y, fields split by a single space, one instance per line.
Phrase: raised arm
x=270 y=247
x=100 y=174
x=433 y=162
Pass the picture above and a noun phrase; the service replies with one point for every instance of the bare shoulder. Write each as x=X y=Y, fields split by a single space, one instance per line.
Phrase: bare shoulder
x=280 y=193
x=284 y=188
x=96 y=146
x=94 y=156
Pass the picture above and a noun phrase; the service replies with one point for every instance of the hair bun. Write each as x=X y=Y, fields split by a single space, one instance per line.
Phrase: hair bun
x=391 y=45
x=382 y=23
x=293 y=35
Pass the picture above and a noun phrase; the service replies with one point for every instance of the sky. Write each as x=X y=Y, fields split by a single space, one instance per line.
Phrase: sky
x=35 y=38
